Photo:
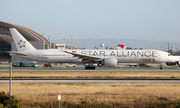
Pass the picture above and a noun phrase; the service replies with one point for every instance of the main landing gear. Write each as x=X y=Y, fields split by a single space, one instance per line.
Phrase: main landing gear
x=161 y=68
x=90 y=67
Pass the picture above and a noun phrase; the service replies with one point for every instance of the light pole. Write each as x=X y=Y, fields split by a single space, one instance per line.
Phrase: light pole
x=10 y=80
x=59 y=98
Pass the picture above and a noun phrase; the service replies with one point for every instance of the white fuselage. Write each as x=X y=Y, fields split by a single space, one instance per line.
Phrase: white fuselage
x=122 y=56
x=108 y=58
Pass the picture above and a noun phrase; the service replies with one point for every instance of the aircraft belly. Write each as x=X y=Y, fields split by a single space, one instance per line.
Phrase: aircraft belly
x=53 y=59
x=63 y=60
x=56 y=59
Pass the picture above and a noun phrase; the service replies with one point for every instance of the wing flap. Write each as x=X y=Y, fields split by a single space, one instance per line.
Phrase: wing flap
x=81 y=56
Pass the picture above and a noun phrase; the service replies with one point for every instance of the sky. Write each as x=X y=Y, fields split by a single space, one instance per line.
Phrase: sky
x=157 y=20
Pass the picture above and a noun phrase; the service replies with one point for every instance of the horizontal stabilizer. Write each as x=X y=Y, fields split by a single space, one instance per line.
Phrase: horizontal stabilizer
x=18 y=53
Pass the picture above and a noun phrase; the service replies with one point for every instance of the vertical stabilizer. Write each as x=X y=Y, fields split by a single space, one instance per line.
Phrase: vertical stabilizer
x=21 y=43
x=121 y=47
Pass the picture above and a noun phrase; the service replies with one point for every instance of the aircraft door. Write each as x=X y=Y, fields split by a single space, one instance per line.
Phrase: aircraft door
x=39 y=56
x=159 y=55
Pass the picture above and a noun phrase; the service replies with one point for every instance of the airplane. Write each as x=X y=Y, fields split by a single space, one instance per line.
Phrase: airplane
x=106 y=58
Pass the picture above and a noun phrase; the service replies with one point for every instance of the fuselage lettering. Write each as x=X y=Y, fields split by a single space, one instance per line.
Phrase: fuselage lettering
x=121 y=53
x=154 y=53
x=133 y=54
x=89 y=52
x=83 y=52
x=139 y=54
x=95 y=53
x=102 y=53
x=147 y=53
x=112 y=54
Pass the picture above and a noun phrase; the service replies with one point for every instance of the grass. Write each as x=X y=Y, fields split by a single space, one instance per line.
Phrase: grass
x=124 y=95
x=93 y=75
x=120 y=95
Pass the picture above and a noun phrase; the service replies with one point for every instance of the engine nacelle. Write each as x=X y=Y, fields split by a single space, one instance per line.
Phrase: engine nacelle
x=171 y=63
x=110 y=62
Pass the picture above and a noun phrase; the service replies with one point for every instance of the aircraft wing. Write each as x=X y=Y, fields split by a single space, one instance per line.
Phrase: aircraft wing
x=18 y=53
x=85 y=57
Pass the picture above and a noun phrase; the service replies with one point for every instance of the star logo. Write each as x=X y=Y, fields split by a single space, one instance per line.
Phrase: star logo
x=21 y=43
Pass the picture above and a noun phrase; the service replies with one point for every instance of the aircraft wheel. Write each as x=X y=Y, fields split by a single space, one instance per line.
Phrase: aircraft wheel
x=92 y=68
x=86 y=68
x=161 y=68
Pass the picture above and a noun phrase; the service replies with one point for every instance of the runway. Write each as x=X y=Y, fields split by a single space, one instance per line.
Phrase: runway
x=87 y=80
x=80 y=70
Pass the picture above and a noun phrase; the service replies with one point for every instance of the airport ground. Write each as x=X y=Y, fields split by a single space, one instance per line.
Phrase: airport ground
x=126 y=95
x=129 y=95
x=170 y=74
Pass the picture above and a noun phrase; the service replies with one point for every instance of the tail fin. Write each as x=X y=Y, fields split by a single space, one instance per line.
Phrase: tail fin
x=21 y=43
x=121 y=47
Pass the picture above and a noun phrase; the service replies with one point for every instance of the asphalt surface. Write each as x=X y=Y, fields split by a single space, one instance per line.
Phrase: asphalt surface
x=87 y=80
x=80 y=70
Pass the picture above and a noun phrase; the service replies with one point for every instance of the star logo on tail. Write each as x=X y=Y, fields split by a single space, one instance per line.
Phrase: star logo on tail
x=21 y=43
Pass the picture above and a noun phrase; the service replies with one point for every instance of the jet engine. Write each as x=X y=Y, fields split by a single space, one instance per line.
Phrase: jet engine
x=173 y=63
x=178 y=63
x=110 y=62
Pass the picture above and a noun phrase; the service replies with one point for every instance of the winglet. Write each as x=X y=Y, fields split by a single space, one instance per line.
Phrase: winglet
x=21 y=43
